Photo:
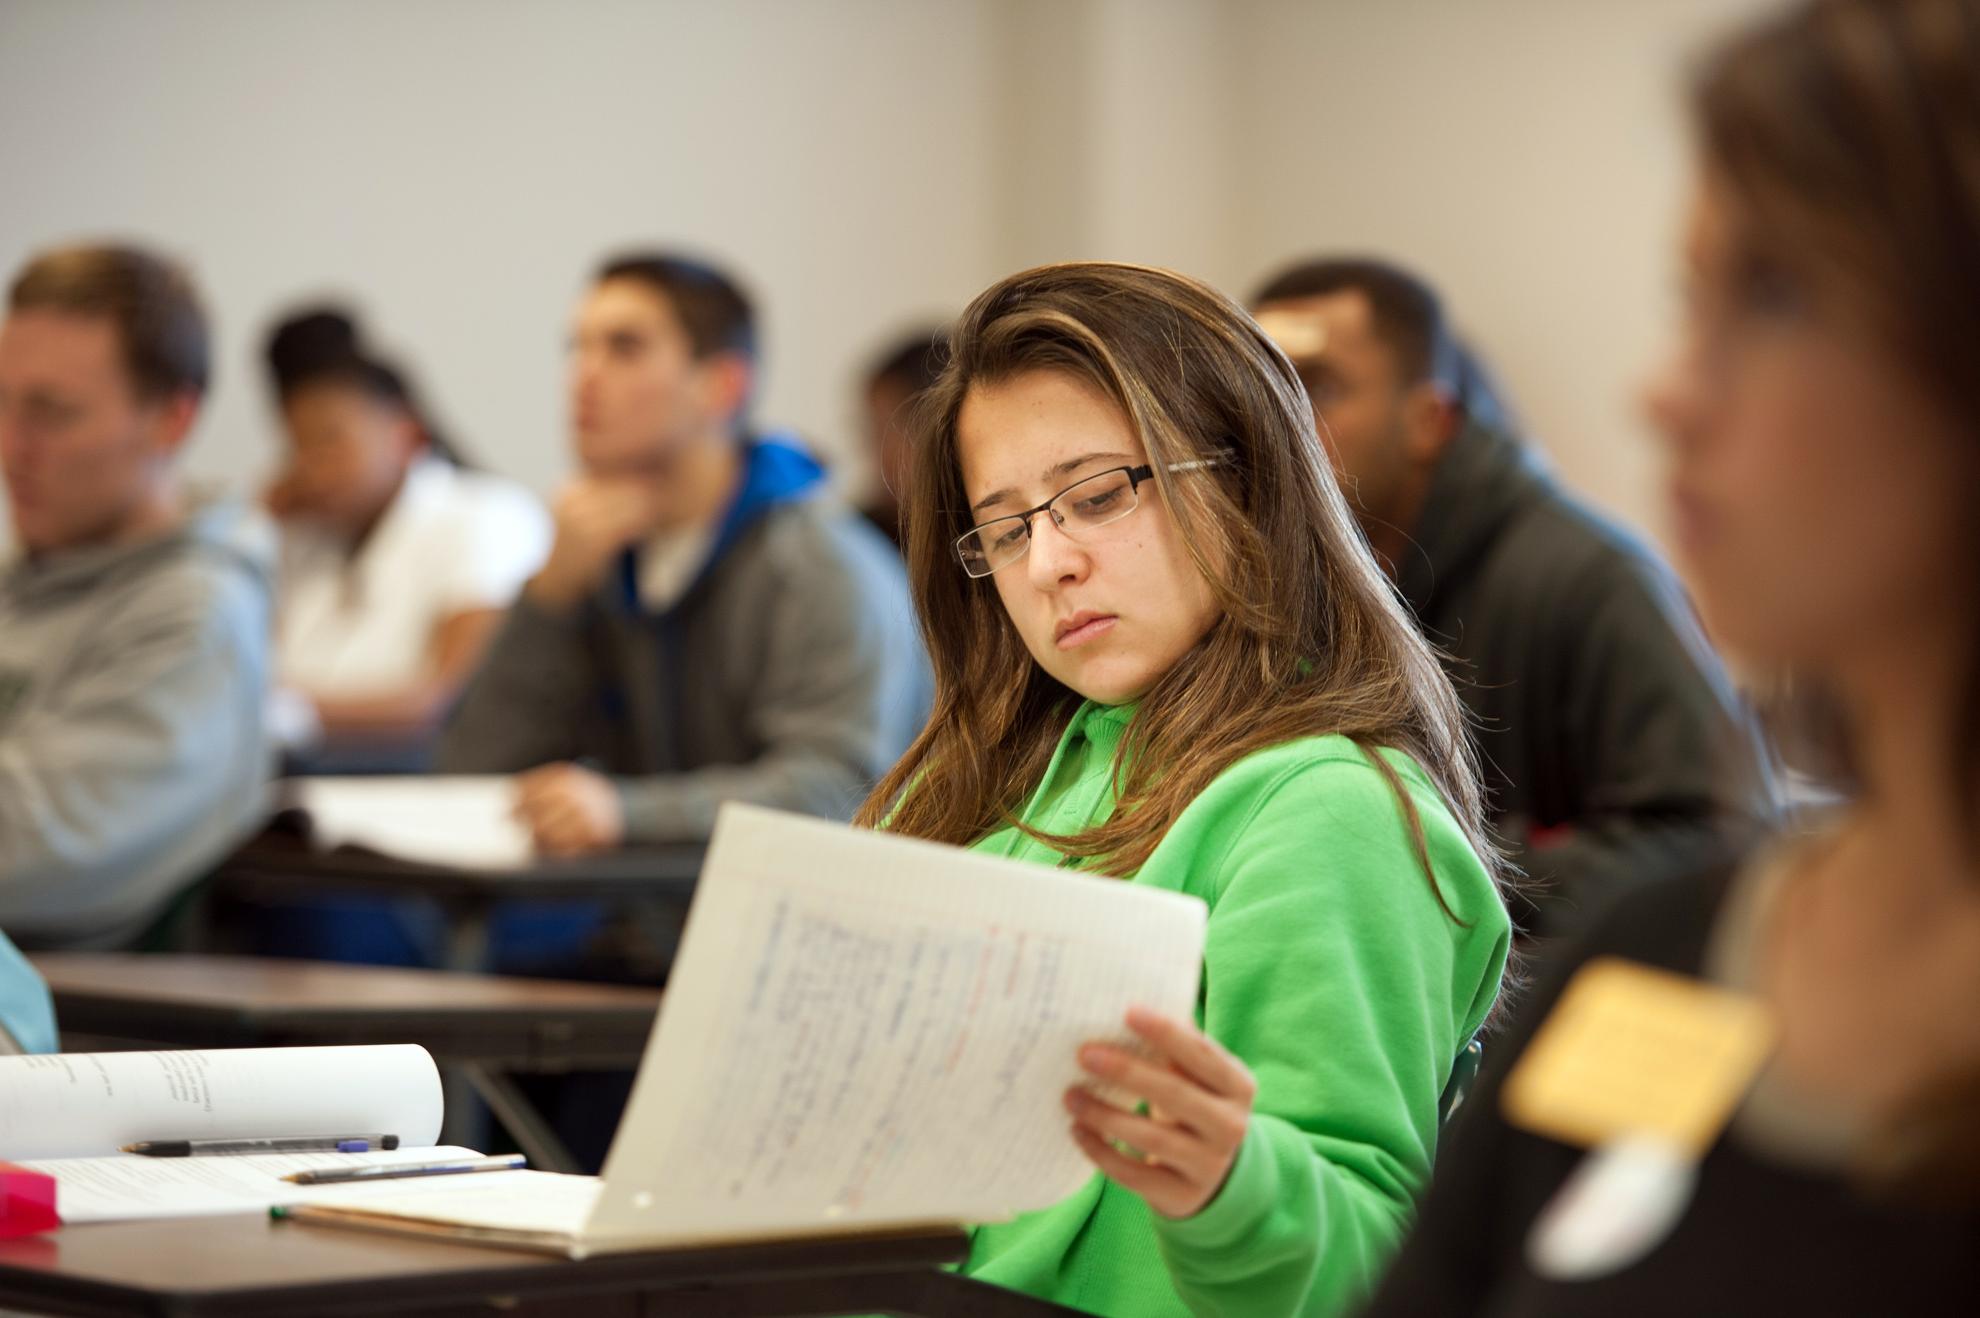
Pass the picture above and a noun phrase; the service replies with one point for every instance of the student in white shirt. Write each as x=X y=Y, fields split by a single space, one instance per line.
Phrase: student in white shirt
x=397 y=562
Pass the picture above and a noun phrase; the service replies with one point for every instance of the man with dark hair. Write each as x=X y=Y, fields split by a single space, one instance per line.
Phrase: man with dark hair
x=134 y=625
x=906 y=368
x=1614 y=746
x=705 y=628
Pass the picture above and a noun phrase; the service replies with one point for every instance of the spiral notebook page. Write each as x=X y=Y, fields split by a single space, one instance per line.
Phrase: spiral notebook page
x=867 y=1030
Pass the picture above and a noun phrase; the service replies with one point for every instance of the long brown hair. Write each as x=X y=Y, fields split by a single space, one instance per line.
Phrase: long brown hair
x=1310 y=641
x=1849 y=131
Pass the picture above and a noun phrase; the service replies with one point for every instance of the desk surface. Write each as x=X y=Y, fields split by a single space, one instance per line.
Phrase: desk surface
x=233 y=1266
x=281 y=864
x=229 y=1002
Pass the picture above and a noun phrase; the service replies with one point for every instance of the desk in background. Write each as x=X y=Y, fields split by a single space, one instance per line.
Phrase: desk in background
x=279 y=867
x=481 y=1027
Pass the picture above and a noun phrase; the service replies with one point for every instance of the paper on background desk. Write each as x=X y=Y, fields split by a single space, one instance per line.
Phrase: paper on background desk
x=465 y=822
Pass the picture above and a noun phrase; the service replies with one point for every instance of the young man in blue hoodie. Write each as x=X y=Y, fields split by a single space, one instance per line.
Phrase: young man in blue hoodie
x=705 y=628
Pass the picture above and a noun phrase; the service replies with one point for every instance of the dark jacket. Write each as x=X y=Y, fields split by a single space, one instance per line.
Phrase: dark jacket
x=789 y=674
x=1615 y=749
x=1760 y=1236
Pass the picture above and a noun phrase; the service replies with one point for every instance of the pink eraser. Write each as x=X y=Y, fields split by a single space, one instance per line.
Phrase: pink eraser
x=27 y=1202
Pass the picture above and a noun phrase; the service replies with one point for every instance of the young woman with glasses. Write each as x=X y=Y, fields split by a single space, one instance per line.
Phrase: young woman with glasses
x=1164 y=656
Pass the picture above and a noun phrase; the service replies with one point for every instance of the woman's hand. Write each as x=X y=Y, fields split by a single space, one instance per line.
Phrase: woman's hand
x=1199 y=1106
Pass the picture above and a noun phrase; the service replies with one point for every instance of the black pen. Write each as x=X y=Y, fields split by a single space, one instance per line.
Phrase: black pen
x=276 y=1144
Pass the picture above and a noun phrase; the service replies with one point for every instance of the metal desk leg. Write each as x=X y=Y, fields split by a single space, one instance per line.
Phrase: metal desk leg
x=467 y=936
x=532 y=1133
x=463 y=1116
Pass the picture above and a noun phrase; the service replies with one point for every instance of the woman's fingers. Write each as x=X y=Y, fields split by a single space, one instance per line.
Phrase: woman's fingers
x=1199 y=1098
x=1194 y=1053
x=1180 y=1098
x=1159 y=1143
x=1165 y=1190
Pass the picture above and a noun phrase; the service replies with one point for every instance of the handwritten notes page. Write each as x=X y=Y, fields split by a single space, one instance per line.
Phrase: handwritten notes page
x=866 y=1030
x=80 y=1105
x=461 y=821
x=861 y=1031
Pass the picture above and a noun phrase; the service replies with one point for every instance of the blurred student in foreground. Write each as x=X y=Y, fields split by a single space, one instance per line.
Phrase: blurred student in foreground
x=705 y=628
x=1822 y=414
x=397 y=560
x=1164 y=655
x=134 y=624
x=1614 y=748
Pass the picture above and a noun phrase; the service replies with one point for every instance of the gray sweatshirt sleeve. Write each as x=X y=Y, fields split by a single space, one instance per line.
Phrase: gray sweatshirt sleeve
x=844 y=688
x=138 y=767
x=526 y=703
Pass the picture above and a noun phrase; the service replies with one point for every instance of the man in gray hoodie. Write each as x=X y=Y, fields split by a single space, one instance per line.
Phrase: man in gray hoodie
x=134 y=623
x=706 y=627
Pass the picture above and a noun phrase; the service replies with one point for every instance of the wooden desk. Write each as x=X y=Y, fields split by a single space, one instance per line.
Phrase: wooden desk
x=483 y=1026
x=278 y=865
x=231 y=1267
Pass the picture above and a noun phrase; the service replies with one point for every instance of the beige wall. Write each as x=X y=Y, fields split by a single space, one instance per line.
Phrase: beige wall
x=455 y=167
x=1528 y=155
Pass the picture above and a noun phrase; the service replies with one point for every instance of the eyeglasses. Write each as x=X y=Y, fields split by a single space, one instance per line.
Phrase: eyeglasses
x=1086 y=505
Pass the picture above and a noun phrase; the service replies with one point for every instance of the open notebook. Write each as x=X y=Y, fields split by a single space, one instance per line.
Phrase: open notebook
x=67 y=1114
x=861 y=1031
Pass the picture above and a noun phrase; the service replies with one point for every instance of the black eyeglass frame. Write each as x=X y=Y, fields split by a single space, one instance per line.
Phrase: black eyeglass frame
x=1135 y=475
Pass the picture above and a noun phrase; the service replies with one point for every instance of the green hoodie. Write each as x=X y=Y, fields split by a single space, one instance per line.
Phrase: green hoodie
x=1331 y=971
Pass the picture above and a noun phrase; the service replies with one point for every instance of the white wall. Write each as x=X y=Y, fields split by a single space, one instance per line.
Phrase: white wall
x=457 y=167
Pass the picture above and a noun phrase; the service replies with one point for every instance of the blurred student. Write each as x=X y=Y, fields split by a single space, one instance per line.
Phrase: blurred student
x=891 y=385
x=1163 y=654
x=134 y=624
x=397 y=561
x=706 y=627
x=1822 y=416
x=1615 y=750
